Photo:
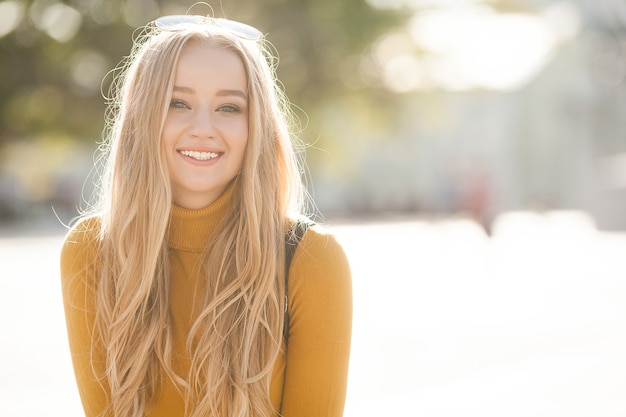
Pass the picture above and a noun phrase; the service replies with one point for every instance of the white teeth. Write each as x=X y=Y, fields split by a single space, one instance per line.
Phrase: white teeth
x=201 y=156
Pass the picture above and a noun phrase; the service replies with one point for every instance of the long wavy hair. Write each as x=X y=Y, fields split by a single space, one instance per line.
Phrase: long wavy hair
x=235 y=340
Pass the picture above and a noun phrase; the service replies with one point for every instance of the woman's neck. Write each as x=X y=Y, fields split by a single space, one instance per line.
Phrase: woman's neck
x=191 y=230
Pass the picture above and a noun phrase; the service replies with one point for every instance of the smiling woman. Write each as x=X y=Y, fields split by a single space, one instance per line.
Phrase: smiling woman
x=206 y=128
x=178 y=297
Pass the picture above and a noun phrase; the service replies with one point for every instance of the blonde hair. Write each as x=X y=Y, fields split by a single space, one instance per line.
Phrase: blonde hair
x=234 y=342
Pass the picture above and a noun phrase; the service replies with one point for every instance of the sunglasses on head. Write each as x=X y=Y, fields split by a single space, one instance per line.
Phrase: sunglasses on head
x=178 y=22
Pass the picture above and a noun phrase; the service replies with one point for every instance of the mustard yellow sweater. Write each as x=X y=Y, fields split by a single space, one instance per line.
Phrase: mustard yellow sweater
x=308 y=381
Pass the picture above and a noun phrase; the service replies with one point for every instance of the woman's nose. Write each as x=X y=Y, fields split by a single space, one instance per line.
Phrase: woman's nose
x=203 y=124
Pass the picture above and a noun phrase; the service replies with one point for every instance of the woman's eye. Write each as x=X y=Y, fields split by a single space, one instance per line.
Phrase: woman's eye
x=229 y=108
x=177 y=104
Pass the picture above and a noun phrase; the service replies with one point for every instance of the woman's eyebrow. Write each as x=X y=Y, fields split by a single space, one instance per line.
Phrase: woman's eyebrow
x=182 y=89
x=220 y=93
x=238 y=93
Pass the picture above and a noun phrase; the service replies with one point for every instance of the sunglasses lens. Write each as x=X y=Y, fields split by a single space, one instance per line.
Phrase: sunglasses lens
x=174 y=21
x=242 y=29
x=180 y=21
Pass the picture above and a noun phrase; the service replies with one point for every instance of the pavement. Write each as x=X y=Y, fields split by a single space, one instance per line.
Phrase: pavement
x=447 y=321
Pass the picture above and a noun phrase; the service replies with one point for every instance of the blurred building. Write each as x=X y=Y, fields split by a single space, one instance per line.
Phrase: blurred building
x=552 y=138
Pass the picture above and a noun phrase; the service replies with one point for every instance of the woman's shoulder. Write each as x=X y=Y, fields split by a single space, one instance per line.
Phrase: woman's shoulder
x=85 y=230
x=81 y=239
x=78 y=260
x=318 y=234
x=320 y=278
x=320 y=250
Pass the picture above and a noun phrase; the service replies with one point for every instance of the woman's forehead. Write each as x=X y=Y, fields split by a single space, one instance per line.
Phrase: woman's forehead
x=210 y=66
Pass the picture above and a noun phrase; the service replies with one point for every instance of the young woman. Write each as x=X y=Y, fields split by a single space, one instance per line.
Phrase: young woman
x=177 y=297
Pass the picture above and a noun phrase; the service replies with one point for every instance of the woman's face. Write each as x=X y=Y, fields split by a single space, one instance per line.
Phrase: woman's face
x=206 y=129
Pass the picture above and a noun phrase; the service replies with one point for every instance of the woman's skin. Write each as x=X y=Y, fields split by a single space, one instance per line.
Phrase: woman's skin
x=206 y=128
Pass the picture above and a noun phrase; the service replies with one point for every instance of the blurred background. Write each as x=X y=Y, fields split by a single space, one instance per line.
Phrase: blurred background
x=470 y=155
x=462 y=107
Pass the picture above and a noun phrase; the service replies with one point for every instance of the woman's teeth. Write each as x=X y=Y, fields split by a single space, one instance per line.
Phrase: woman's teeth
x=201 y=156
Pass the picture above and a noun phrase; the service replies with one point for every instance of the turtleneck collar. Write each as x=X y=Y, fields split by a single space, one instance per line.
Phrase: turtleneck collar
x=190 y=230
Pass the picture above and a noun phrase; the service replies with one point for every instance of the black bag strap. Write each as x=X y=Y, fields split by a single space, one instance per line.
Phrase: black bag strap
x=292 y=240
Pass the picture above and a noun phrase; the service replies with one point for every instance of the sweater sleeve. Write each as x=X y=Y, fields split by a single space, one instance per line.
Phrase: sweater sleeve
x=78 y=266
x=320 y=311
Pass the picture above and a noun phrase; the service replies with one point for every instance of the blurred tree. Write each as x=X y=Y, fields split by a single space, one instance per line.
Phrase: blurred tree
x=54 y=55
x=50 y=75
